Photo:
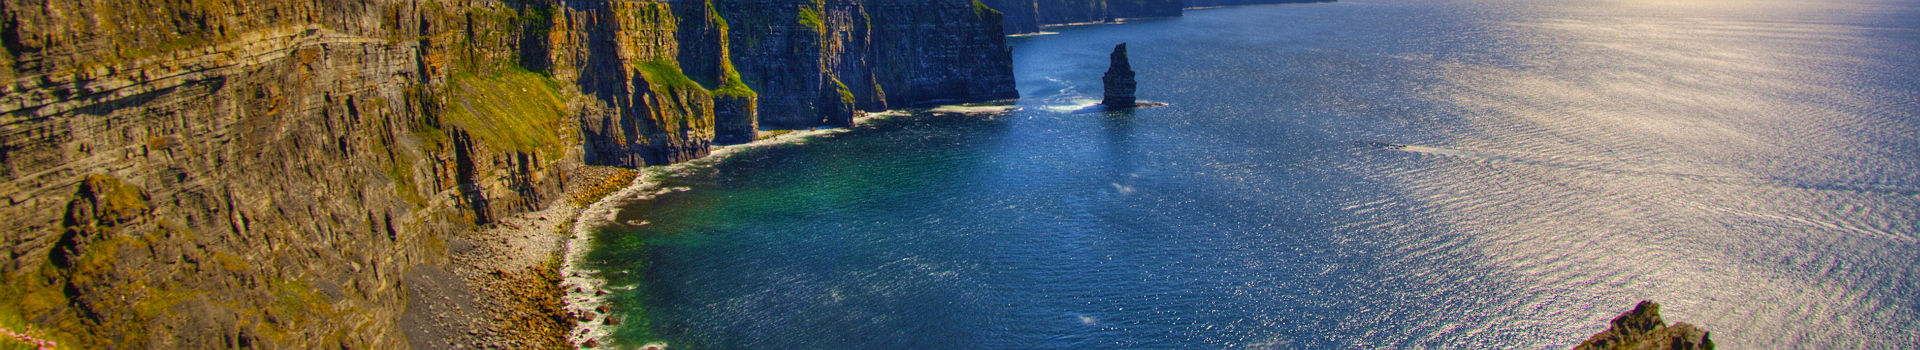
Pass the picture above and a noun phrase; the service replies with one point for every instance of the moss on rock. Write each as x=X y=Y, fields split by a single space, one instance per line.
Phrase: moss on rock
x=512 y=109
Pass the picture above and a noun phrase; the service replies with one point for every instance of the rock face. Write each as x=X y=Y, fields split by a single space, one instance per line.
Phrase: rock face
x=1213 y=3
x=832 y=59
x=1119 y=81
x=706 y=58
x=266 y=173
x=1028 y=16
x=1642 y=328
x=1020 y=16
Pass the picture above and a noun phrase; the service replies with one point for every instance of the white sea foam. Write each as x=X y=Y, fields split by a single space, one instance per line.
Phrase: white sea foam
x=1033 y=34
x=582 y=285
x=1071 y=105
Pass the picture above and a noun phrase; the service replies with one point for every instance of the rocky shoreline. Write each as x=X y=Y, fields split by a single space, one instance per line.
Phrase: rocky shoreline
x=585 y=294
x=502 y=289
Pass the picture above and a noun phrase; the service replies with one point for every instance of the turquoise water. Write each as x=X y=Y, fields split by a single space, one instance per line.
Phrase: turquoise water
x=1481 y=173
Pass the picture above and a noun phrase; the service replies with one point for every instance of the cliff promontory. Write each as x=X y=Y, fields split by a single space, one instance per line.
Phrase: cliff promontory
x=1028 y=16
x=296 y=173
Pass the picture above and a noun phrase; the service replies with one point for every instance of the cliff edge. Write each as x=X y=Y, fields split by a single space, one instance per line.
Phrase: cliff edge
x=312 y=174
x=1030 y=16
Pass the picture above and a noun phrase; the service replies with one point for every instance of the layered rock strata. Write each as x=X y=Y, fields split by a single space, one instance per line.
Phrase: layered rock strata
x=1119 y=83
x=833 y=59
x=1215 y=3
x=274 y=173
x=1029 y=16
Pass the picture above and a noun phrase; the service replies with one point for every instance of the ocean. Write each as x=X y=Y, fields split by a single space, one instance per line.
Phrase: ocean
x=1360 y=174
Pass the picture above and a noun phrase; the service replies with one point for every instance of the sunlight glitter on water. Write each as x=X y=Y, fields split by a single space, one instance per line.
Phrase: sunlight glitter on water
x=1485 y=173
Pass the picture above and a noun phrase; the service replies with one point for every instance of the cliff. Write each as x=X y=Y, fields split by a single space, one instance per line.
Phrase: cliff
x=1214 y=3
x=1028 y=16
x=279 y=173
x=832 y=59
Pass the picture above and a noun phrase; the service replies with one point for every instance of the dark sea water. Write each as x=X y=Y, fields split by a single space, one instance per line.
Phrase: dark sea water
x=1368 y=173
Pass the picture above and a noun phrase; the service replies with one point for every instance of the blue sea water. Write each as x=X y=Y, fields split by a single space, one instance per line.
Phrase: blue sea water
x=1368 y=173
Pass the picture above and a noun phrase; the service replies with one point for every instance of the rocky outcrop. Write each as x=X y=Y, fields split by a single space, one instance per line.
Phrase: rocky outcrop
x=219 y=174
x=1642 y=328
x=1119 y=81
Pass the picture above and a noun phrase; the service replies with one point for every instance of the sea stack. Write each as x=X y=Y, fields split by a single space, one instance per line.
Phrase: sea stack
x=1119 y=81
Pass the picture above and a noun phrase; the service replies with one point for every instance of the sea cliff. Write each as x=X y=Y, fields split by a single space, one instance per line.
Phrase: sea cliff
x=1029 y=16
x=305 y=174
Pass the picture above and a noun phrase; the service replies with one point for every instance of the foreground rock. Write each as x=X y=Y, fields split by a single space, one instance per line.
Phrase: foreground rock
x=1119 y=81
x=1642 y=328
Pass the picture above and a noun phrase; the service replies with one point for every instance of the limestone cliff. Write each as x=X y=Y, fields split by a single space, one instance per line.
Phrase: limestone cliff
x=832 y=59
x=1028 y=16
x=1213 y=3
x=270 y=173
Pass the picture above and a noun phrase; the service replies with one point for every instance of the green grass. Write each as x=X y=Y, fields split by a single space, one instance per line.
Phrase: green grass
x=13 y=322
x=672 y=85
x=810 y=17
x=31 y=293
x=733 y=85
x=295 y=299
x=512 y=109
x=713 y=14
x=399 y=168
x=118 y=200
x=980 y=10
x=404 y=184
x=846 y=95
x=667 y=73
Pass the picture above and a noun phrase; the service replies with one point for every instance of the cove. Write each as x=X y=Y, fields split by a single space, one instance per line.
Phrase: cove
x=1359 y=174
